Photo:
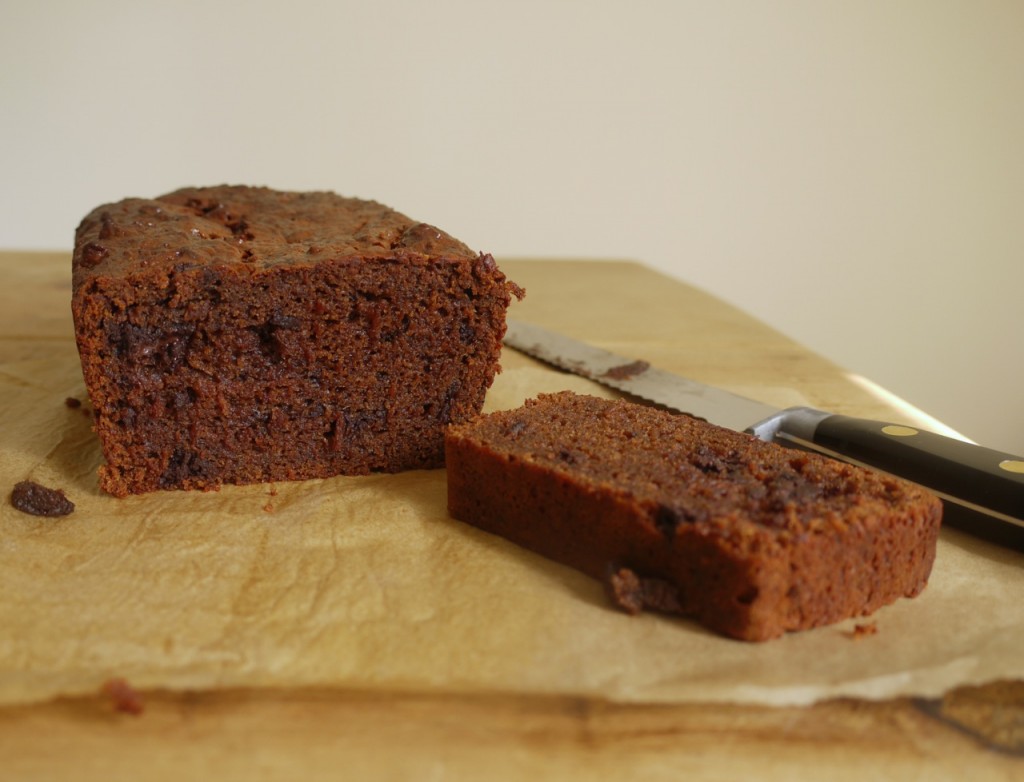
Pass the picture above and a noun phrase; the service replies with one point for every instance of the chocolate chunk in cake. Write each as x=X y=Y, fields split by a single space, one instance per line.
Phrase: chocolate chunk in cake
x=678 y=515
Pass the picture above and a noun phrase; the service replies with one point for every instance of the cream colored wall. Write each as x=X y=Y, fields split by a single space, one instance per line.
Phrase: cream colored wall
x=852 y=173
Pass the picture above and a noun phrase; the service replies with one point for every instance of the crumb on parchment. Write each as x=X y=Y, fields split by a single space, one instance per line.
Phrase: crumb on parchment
x=863 y=630
x=38 y=500
x=125 y=698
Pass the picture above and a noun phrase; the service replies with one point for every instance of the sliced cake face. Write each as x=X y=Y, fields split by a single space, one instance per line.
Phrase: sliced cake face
x=673 y=513
x=238 y=335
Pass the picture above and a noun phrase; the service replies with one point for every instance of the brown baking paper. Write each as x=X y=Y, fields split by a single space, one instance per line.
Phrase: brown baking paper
x=367 y=583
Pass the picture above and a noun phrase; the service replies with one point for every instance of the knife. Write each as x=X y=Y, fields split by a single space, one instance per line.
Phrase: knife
x=982 y=489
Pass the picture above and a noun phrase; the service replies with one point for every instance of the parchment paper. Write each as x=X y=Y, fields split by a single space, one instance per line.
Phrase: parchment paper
x=367 y=583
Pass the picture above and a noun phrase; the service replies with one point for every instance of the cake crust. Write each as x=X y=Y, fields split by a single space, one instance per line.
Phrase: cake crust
x=238 y=335
x=674 y=514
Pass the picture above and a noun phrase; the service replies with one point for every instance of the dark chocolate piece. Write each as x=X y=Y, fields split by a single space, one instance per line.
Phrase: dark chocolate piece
x=31 y=497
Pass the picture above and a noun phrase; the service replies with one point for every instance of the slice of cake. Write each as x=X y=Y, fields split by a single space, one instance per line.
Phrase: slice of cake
x=240 y=335
x=674 y=514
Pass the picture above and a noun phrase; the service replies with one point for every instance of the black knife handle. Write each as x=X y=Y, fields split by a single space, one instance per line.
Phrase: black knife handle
x=970 y=475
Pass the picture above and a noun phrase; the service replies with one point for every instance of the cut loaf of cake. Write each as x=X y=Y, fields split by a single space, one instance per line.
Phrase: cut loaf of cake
x=242 y=334
x=674 y=514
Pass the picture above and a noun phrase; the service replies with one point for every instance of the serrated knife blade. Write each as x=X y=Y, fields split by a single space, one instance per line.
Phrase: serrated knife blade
x=971 y=479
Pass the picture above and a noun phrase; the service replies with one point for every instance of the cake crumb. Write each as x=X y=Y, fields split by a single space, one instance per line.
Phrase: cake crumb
x=627 y=371
x=624 y=590
x=73 y=402
x=37 y=500
x=125 y=698
x=863 y=630
x=269 y=506
x=633 y=593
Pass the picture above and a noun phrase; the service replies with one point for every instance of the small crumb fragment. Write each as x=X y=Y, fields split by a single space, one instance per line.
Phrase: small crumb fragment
x=125 y=698
x=74 y=403
x=633 y=593
x=269 y=507
x=863 y=630
x=271 y=492
x=31 y=497
x=626 y=371
x=624 y=590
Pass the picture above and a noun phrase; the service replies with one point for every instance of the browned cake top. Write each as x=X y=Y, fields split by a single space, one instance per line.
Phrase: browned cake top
x=255 y=226
x=686 y=470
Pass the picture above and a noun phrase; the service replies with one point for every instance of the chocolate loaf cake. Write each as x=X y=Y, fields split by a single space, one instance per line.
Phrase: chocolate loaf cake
x=240 y=335
x=677 y=515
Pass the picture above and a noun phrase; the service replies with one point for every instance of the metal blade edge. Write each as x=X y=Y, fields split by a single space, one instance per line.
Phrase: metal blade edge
x=636 y=377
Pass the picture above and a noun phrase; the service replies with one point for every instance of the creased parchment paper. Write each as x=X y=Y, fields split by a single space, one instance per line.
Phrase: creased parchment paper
x=367 y=583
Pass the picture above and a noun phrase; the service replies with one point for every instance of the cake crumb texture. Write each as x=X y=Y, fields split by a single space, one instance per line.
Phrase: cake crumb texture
x=674 y=514
x=239 y=334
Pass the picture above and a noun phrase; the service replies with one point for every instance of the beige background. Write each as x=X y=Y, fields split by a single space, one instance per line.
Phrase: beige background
x=851 y=173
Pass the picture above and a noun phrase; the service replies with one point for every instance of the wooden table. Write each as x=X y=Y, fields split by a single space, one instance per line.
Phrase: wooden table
x=974 y=732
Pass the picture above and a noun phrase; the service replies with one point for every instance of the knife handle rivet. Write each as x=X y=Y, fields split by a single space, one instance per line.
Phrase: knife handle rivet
x=899 y=431
x=1012 y=465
